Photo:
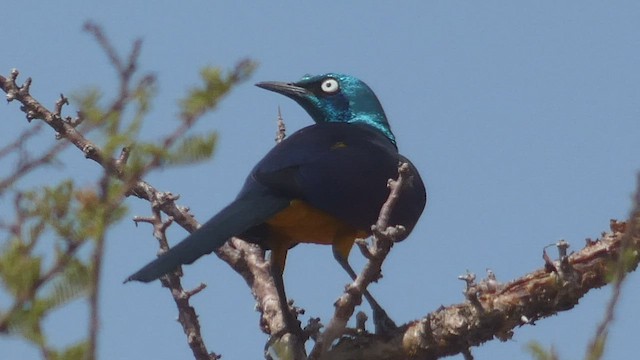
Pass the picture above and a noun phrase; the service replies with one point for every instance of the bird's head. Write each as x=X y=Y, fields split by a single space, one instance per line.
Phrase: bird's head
x=335 y=98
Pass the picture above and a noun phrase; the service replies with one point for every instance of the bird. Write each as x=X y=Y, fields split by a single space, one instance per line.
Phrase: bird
x=323 y=184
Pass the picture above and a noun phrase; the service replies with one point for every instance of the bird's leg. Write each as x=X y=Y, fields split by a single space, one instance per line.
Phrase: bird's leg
x=278 y=259
x=381 y=320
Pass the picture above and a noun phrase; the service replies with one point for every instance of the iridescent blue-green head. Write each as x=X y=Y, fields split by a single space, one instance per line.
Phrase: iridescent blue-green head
x=335 y=98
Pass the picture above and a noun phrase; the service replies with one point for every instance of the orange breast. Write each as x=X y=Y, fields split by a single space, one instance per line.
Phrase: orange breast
x=303 y=223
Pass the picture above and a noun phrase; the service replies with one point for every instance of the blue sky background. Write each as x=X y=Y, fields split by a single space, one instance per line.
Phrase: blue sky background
x=523 y=118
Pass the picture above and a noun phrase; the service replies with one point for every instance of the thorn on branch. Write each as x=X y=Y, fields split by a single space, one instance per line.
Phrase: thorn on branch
x=618 y=226
x=14 y=75
x=189 y=293
x=489 y=285
x=296 y=310
x=31 y=115
x=562 y=246
x=565 y=271
x=282 y=131
x=59 y=104
x=549 y=266
x=78 y=120
x=469 y=278
x=472 y=290
x=467 y=354
x=312 y=330
x=122 y=159
x=381 y=227
x=163 y=198
x=24 y=89
x=361 y=322
x=89 y=151
x=143 y=219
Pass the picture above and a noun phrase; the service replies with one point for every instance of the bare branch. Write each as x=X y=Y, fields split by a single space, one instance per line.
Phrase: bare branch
x=282 y=129
x=187 y=316
x=251 y=268
x=542 y=293
x=352 y=297
x=490 y=309
x=27 y=165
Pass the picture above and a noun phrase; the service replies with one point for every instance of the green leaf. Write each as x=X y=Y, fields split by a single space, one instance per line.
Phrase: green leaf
x=215 y=86
x=77 y=351
x=27 y=320
x=88 y=104
x=193 y=149
x=19 y=269
x=73 y=283
x=540 y=353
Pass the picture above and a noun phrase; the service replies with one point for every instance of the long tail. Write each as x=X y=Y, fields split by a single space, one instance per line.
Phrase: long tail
x=236 y=218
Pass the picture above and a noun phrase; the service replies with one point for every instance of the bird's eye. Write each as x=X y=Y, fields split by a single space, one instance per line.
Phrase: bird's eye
x=330 y=86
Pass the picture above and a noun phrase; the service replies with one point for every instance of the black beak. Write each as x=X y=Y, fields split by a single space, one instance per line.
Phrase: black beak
x=288 y=89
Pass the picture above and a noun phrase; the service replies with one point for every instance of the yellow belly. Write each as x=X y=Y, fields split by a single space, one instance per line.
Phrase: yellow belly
x=302 y=223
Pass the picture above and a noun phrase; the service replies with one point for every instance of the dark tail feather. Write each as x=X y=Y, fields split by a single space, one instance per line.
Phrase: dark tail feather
x=233 y=220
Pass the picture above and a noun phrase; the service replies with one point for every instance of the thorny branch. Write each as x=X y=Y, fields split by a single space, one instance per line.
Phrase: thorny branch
x=494 y=310
x=18 y=145
x=491 y=310
x=246 y=259
x=282 y=129
x=27 y=163
x=384 y=238
x=187 y=315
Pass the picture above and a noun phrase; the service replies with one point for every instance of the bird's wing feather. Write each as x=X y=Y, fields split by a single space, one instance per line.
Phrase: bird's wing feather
x=339 y=168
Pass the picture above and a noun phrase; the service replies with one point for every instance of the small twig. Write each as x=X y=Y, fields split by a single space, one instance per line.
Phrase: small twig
x=22 y=139
x=246 y=259
x=59 y=104
x=383 y=241
x=27 y=165
x=312 y=330
x=281 y=133
x=121 y=162
x=453 y=329
x=187 y=316
x=472 y=290
x=189 y=293
x=97 y=256
x=109 y=50
x=381 y=227
x=361 y=322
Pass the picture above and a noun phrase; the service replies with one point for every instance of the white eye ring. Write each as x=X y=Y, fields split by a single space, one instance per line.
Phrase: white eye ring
x=330 y=86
